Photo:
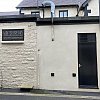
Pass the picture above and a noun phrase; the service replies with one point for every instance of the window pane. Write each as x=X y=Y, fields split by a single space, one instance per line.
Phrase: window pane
x=65 y=14
x=13 y=35
x=36 y=14
x=85 y=37
x=61 y=14
x=32 y=13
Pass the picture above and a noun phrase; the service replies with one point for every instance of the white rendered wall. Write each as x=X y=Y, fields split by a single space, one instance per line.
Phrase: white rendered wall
x=94 y=6
x=61 y=56
x=72 y=11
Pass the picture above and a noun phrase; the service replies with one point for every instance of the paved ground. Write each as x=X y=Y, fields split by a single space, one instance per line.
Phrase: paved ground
x=31 y=96
x=11 y=94
x=23 y=97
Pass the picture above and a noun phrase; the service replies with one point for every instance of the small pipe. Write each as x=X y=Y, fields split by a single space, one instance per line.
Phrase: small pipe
x=43 y=10
x=1 y=79
x=50 y=3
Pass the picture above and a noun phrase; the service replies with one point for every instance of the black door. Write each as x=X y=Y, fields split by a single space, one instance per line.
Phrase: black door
x=87 y=60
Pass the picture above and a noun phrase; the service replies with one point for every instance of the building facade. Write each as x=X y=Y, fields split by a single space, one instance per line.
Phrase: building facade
x=55 y=52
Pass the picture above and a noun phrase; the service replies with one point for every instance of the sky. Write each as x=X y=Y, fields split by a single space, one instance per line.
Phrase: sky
x=8 y=5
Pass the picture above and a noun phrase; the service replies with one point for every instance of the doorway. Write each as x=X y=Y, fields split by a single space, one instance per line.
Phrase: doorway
x=87 y=60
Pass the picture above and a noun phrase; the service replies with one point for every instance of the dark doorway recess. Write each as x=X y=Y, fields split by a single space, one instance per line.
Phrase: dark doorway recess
x=87 y=60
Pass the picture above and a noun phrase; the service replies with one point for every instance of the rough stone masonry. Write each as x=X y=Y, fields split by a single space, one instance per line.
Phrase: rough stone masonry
x=18 y=61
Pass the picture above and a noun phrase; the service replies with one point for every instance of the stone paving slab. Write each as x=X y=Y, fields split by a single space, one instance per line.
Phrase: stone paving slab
x=51 y=93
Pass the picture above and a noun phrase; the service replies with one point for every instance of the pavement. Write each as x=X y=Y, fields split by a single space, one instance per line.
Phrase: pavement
x=51 y=93
x=24 y=97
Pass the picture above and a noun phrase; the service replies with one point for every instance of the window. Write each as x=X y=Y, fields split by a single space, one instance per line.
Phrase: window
x=36 y=14
x=13 y=35
x=63 y=13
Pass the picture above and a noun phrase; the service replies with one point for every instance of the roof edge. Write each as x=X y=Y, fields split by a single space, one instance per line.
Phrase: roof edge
x=48 y=6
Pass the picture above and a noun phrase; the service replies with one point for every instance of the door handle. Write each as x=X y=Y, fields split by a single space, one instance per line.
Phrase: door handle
x=80 y=65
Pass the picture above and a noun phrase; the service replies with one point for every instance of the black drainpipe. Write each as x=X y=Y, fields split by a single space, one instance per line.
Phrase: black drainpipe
x=84 y=8
x=86 y=11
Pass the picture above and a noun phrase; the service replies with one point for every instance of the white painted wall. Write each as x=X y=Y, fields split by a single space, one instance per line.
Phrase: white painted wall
x=61 y=56
x=72 y=11
x=28 y=11
x=94 y=6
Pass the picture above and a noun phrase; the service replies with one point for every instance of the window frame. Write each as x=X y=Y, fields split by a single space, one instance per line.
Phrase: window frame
x=35 y=13
x=63 y=11
x=13 y=41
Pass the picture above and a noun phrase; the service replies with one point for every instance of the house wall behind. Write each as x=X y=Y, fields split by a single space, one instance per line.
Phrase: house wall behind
x=28 y=11
x=18 y=62
x=94 y=6
x=72 y=11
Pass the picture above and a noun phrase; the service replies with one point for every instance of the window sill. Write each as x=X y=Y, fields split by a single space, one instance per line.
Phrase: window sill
x=12 y=42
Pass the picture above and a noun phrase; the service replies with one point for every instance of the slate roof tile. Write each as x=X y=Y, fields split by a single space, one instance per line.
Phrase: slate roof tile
x=35 y=3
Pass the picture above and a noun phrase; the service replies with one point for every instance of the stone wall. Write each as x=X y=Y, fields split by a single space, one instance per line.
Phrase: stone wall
x=18 y=61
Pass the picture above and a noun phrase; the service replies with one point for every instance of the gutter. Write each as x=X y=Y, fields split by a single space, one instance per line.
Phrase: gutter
x=69 y=20
x=18 y=18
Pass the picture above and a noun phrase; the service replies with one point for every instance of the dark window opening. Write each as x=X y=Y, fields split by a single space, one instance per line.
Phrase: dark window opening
x=36 y=14
x=85 y=38
x=13 y=35
x=63 y=13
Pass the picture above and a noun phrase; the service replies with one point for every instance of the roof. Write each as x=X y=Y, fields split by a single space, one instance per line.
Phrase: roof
x=18 y=18
x=35 y=3
x=9 y=13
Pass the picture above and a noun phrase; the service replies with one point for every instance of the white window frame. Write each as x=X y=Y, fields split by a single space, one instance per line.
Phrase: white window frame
x=12 y=42
x=63 y=13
